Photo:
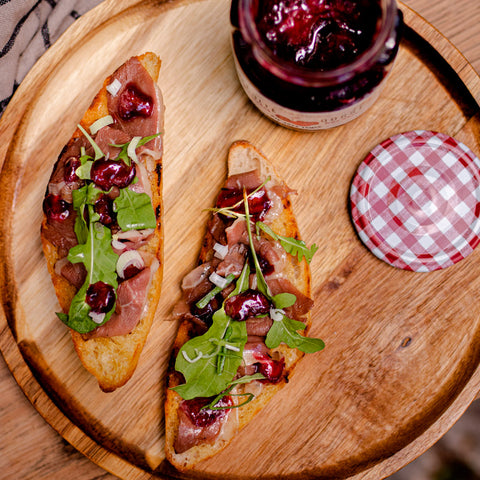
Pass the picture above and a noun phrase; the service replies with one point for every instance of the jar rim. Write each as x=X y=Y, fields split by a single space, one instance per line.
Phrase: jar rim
x=307 y=77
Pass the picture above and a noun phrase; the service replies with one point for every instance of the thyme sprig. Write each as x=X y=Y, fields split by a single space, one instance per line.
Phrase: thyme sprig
x=230 y=211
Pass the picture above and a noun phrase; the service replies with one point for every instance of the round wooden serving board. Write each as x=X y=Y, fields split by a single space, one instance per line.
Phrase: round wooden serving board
x=402 y=354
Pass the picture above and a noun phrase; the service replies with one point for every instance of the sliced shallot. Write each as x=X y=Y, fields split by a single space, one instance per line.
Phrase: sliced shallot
x=127 y=259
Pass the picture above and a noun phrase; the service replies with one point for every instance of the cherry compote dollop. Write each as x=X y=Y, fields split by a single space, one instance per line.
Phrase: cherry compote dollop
x=246 y=305
x=56 y=208
x=104 y=207
x=271 y=369
x=134 y=103
x=266 y=267
x=100 y=297
x=204 y=417
x=258 y=202
x=206 y=313
x=112 y=173
x=71 y=165
x=131 y=271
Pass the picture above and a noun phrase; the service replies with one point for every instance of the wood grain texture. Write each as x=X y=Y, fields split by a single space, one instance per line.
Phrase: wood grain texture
x=396 y=372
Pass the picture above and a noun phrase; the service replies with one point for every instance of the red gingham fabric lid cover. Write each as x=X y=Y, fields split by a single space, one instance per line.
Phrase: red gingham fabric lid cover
x=415 y=201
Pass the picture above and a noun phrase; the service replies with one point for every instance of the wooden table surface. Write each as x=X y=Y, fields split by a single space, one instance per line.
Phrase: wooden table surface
x=29 y=447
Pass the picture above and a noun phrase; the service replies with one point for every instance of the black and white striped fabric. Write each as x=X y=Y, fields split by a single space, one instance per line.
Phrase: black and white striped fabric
x=27 y=29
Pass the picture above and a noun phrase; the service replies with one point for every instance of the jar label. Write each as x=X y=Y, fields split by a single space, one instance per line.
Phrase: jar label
x=304 y=120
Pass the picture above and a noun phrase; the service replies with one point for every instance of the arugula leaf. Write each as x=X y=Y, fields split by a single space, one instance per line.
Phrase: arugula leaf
x=97 y=255
x=134 y=210
x=285 y=330
x=297 y=248
x=284 y=300
x=197 y=359
x=261 y=283
x=244 y=379
x=87 y=195
x=98 y=152
x=83 y=172
x=243 y=281
x=123 y=155
x=100 y=262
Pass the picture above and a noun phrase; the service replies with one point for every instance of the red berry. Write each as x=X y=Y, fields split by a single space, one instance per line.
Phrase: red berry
x=112 y=173
x=104 y=207
x=100 y=297
x=258 y=202
x=133 y=103
x=204 y=417
x=271 y=369
x=71 y=165
x=56 y=208
x=247 y=304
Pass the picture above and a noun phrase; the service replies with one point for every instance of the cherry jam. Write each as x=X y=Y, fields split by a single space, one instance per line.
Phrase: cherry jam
x=131 y=271
x=56 y=208
x=309 y=64
x=100 y=297
x=246 y=305
x=271 y=369
x=258 y=202
x=318 y=35
x=104 y=207
x=204 y=417
x=71 y=165
x=134 y=103
x=206 y=313
x=112 y=173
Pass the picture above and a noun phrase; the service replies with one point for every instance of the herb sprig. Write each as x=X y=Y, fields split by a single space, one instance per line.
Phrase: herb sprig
x=294 y=247
x=284 y=329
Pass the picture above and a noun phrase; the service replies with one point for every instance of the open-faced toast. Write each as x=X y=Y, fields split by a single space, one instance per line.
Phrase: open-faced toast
x=102 y=226
x=231 y=355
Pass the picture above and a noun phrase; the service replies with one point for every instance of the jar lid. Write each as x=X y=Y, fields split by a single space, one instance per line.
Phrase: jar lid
x=415 y=201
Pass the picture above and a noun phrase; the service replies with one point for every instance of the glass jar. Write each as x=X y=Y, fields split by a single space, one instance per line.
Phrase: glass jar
x=314 y=64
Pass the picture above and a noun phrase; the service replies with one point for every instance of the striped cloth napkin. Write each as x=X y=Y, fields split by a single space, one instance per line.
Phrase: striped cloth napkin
x=27 y=29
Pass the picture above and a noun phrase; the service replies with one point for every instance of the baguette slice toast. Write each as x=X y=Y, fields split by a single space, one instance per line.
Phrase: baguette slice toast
x=243 y=157
x=112 y=357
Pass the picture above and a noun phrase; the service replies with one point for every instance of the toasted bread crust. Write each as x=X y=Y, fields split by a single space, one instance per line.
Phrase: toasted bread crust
x=242 y=157
x=112 y=360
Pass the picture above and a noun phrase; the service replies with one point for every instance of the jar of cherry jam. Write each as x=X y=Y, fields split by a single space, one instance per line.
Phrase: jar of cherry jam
x=314 y=64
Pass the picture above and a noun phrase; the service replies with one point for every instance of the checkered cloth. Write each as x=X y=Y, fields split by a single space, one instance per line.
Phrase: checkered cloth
x=415 y=201
x=27 y=29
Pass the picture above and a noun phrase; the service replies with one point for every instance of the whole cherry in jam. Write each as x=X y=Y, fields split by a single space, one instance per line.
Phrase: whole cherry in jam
x=56 y=208
x=104 y=207
x=205 y=314
x=318 y=35
x=100 y=297
x=131 y=271
x=112 y=173
x=271 y=369
x=258 y=202
x=69 y=173
x=204 y=417
x=134 y=103
x=246 y=305
x=266 y=267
